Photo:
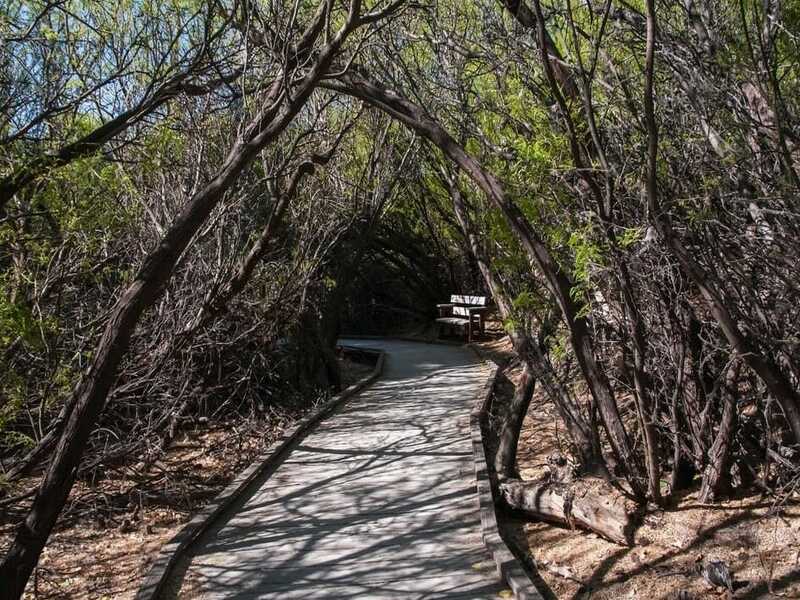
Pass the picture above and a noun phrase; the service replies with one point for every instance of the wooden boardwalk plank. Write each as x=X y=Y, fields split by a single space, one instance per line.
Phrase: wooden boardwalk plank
x=378 y=501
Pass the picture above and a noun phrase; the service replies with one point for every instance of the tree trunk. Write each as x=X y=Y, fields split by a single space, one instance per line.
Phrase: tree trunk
x=581 y=433
x=718 y=302
x=642 y=387
x=591 y=504
x=90 y=395
x=505 y=461
x=716 y=478
x=776 y=382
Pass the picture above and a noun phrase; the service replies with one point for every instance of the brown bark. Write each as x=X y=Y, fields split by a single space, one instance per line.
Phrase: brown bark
x=558 y=282
x=682 y=468
x=582 y=435
x=646 y=414
x=563 y=85
x=772 y=376
x=590 y=504
x=697 y=416
x=90 y=395
x=642 y=387
x=216 y=304
x=244 y=271
x=505 y=461
x=22 y=176
x=716 y=478
x=528 y=19
x=35 y=455
x=776 y=382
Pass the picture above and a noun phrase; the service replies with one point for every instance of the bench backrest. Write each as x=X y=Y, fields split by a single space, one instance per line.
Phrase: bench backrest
x=463 y=303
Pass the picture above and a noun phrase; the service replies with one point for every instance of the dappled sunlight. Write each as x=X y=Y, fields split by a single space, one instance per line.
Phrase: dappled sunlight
x=378 y=501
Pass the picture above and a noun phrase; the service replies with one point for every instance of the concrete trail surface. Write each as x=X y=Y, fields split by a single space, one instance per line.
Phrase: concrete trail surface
x=378 y=501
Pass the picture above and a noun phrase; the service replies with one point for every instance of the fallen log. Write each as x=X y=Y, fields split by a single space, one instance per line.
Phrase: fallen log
x=591 y=504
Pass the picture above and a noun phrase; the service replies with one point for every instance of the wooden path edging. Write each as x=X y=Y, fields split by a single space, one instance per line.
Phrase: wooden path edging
x=508 y=566
x=168 y=556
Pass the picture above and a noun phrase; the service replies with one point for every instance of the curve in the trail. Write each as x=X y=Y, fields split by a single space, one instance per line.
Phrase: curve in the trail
x=378 y=501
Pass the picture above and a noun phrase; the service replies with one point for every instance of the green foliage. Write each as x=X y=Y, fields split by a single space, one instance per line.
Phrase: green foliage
x=15 y=439
x=559 y=345
x=162 y=145
x=13 y=398
x=587 y=253
x=83 y=199
x=16 y=321
x=630 y=236
x=588 y=257
x=526 y=301
x=523 y=306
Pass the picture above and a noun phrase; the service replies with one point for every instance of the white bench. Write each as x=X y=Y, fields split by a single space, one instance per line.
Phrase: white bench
x=463 y=312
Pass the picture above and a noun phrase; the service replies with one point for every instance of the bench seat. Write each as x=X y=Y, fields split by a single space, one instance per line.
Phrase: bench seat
x=453 y=320
x=463 y=312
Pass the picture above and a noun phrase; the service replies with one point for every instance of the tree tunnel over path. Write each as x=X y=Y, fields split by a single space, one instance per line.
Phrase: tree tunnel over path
x=198 y=197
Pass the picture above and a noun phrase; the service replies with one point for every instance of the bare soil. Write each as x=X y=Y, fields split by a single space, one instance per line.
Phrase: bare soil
x=759 y=541
x=102 y=554
x=112 y=530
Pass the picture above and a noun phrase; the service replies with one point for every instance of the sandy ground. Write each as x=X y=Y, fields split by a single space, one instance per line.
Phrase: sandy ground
x=90 y=557
x=761 y=545
x=100 y=552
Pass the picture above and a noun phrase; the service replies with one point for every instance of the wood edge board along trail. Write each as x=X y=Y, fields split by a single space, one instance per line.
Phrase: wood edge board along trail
x=508 y=565
x=161 y=569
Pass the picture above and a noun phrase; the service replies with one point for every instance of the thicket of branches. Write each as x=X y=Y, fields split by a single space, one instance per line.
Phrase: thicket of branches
x=197 y=195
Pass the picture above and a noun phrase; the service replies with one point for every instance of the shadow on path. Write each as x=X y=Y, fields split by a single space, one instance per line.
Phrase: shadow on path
x=378 y=501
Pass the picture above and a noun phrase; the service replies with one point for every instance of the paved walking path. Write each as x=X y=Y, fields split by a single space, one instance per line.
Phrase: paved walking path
x=378 y=501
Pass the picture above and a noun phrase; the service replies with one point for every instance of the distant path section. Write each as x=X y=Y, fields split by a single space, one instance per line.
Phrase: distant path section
x=378 y=501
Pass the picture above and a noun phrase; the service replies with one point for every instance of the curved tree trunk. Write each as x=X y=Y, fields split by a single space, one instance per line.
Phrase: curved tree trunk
x=582 y=435
x=769 y=372
x=90 y=395
x=505 y=461
x=716 y=478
